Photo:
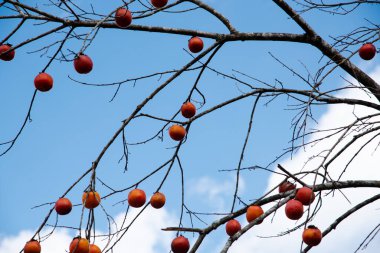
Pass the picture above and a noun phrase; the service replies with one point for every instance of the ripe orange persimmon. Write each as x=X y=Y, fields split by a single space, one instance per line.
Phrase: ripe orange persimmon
x=94 y=249
x=32 y=246
x=159 y=3
x=253 y=212
x=136 y=198
x=232 y=227
x=294 y=209
x=367 y=51
x=188 y=110
x=312 y=236
x=43 y=82
x=7 y=56
x=157 y=200
x=195 y=44
x=305 y=195
x=123 y=17
x=91 y=199
x=286 y=186
x=63 y=206
x=177 y=132
x=79 y=245
x=180 y=244
x=83 y=64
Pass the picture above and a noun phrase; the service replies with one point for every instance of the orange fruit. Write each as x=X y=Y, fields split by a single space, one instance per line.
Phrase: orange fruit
x=253 y=212
x=94 y=249
x=312 y=236
x=79 y=245
x=157 y=200
x=232 y=227
x=91 y=199
x=136 y=198
x=177 y=132
x=188 y=110
x=63 y=206
x=32 y=246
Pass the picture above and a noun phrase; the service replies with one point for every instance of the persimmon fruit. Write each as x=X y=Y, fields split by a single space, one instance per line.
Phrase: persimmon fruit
x=312 y=236
x=157 y=200
x=367 y=51
x=123 y=17
x=180 y=244
x=83 y=64
x=159 y=3
x=32 y=246
x=136 y=198
x=188 y=110
x=43 y=82
x=79 y=245
x=63 y=206
x=286 y=186
x=294 y=209
x=195 y=44
x=232 y=227
x=305 y=195
x=177 y=132
x=94 y=249
x=9 y=55
x=253 y=212
x=91 y=199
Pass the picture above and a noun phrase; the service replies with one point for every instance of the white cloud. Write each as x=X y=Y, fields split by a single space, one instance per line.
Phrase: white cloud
x=351 y=232
x=214 y=193
x=145 y=236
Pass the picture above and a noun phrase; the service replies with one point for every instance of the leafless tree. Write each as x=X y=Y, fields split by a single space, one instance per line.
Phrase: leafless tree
x=66 y=21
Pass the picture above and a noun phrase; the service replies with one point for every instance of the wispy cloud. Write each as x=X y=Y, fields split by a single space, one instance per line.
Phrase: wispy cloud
x=214 y=193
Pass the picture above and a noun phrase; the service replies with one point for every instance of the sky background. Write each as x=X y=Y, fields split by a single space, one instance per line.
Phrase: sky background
x=73 y=122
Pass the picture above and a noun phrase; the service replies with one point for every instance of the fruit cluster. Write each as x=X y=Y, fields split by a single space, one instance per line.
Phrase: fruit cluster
x=178 y=132
x=312 y=236
x=90 y=200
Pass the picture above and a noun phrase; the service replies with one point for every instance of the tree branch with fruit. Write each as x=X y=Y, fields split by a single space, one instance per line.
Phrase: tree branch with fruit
x=64 y=23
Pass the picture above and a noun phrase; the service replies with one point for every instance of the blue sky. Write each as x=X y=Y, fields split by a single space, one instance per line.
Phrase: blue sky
x=73 y=122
